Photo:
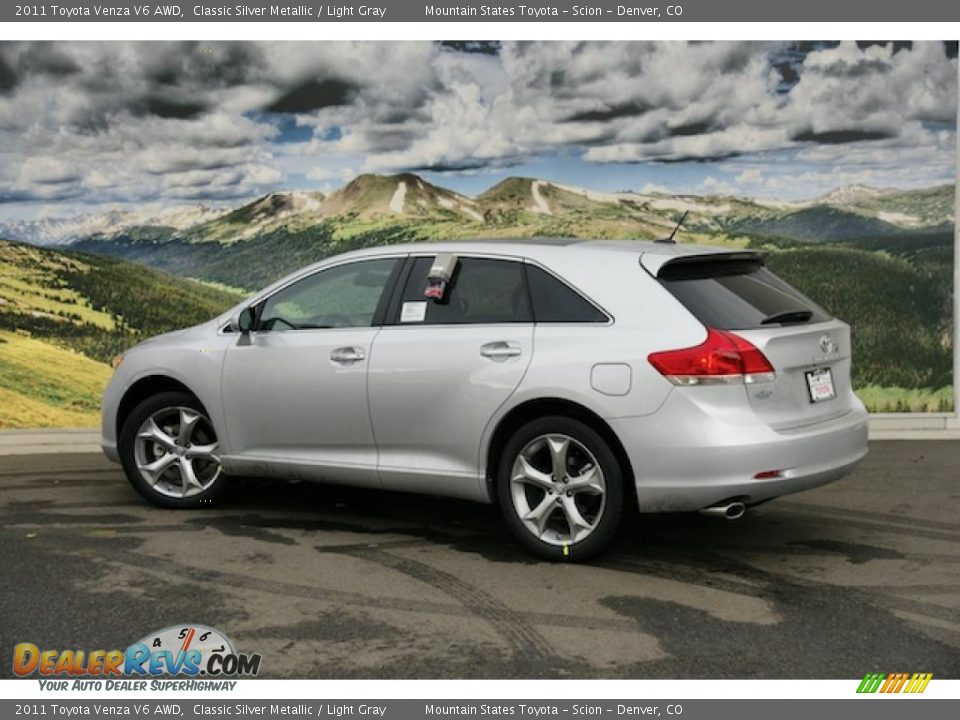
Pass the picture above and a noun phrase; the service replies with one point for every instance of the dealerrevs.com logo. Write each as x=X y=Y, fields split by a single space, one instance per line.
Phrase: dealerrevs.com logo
x=180 y=650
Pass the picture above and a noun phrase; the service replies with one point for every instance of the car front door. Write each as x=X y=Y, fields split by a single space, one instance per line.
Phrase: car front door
x=294 y=389
x=441 y=369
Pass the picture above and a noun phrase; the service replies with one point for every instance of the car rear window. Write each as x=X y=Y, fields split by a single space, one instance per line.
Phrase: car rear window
x=738 y=294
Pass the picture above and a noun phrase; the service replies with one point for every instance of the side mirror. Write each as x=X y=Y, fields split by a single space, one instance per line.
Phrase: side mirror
x=243 y=321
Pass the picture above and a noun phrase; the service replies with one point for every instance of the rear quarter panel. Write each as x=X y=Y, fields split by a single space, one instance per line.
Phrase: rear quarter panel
x=644 y=318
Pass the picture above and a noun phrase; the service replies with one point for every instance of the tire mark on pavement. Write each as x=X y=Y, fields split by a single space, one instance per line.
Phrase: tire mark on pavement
x=146 y=562
x=680 y=573
x=508 y=623
x=866 y=595
x=699 y=568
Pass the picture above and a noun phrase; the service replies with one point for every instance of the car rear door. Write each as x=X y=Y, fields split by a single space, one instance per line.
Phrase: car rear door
x=440 y=370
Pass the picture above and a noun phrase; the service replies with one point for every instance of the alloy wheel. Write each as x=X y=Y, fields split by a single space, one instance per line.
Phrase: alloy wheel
x=176 y=452
x=558 y=489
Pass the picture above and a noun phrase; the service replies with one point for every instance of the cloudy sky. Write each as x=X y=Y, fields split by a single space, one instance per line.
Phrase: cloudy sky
x=87 y=126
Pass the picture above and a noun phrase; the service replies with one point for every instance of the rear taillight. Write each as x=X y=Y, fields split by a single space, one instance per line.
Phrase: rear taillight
x=723 y=358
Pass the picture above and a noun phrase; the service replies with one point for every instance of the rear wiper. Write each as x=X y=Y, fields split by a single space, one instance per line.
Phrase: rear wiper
x=788 y=316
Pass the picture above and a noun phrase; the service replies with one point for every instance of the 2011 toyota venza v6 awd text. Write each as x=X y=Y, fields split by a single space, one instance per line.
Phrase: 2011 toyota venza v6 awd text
x=564 y=380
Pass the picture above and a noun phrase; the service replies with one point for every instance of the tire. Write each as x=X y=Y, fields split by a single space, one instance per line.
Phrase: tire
x=167 y=449
x=592 y=482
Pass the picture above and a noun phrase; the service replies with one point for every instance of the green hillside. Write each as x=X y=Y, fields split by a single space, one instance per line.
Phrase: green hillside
x=46 y=385
x=64 y=315
x=826 y=224
x=901 y=327
x=275 y=234
x=253 y=263
x=929 y=206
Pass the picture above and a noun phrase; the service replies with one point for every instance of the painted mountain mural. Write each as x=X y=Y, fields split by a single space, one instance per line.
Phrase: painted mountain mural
x=75 y=291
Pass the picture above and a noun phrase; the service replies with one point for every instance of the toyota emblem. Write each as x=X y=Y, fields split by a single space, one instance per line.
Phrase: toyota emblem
x=827 y=345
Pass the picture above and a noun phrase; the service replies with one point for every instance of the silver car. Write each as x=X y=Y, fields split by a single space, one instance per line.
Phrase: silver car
x=564 y=380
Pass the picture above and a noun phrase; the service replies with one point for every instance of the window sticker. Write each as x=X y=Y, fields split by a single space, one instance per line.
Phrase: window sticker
x=413 y=312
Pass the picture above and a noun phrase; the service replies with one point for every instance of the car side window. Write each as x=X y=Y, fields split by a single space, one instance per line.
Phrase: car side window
x=556 y=302
x=481 y=291
x=340 y=297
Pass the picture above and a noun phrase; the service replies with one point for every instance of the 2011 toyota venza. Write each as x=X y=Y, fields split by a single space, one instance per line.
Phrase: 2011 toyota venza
x=564 y=380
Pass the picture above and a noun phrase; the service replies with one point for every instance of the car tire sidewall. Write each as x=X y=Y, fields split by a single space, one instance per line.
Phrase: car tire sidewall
x=601 y=537
x=127 y=442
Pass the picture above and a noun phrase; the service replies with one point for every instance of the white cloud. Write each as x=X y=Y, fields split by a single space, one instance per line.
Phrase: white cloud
x=327 y=173
x=115 y=122
x=713 y=186
x=652 y=188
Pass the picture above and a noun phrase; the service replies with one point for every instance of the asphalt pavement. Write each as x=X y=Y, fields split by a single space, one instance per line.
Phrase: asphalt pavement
x=326 y=582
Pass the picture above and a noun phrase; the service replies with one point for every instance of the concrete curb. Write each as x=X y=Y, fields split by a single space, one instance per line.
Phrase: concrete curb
x=87 y=440
x=49 y=441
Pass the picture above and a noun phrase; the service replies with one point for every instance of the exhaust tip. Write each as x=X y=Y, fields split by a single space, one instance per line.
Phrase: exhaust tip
x=735 y=511
x=730 y=511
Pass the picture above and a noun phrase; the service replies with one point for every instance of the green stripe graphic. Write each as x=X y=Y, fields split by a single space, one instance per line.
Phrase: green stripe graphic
x=871 y=682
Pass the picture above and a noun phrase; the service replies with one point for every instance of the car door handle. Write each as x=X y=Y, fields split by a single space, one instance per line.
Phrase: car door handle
x=500 y=350
x=347 y=355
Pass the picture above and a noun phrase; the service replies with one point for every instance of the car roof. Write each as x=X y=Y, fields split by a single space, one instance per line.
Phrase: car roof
x=531 y=245
x=653 y=255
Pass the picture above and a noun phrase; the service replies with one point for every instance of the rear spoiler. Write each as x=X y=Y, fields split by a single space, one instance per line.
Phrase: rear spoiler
x=657 y=263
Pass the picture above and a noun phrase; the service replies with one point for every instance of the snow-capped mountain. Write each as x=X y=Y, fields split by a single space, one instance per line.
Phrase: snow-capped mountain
x=851 y=194
x=518 y=206
x=65 y=230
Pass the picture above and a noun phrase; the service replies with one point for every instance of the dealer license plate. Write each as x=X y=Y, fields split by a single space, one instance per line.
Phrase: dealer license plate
x=820 y=385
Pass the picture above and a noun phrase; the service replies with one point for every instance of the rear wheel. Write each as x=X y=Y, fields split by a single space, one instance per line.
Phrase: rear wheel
x=169 y=451
x=560 y=488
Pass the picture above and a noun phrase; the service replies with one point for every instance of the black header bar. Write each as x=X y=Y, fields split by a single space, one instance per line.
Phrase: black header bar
x=488 y=11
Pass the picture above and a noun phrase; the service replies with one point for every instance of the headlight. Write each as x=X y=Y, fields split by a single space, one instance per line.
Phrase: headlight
x=117 y=359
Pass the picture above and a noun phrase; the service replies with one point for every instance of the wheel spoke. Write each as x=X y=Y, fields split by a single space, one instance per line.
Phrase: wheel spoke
x=575 y=520
x=588 y=482
x=152 y=431
x=541 y=513
x=155 y=469
x=558 y=447
x=188 y=420
x=188 y=478
x=204 y=452
x=528 y=474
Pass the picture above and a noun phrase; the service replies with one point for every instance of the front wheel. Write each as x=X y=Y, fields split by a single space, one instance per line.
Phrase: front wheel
x=169 y=451
x=560 y=488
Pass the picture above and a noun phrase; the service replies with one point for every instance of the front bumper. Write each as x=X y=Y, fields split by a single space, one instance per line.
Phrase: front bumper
x=112 y=395
x=685 y=459
x=110 y=450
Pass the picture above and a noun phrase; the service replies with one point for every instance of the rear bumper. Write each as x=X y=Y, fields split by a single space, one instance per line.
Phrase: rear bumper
x=690 y=455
